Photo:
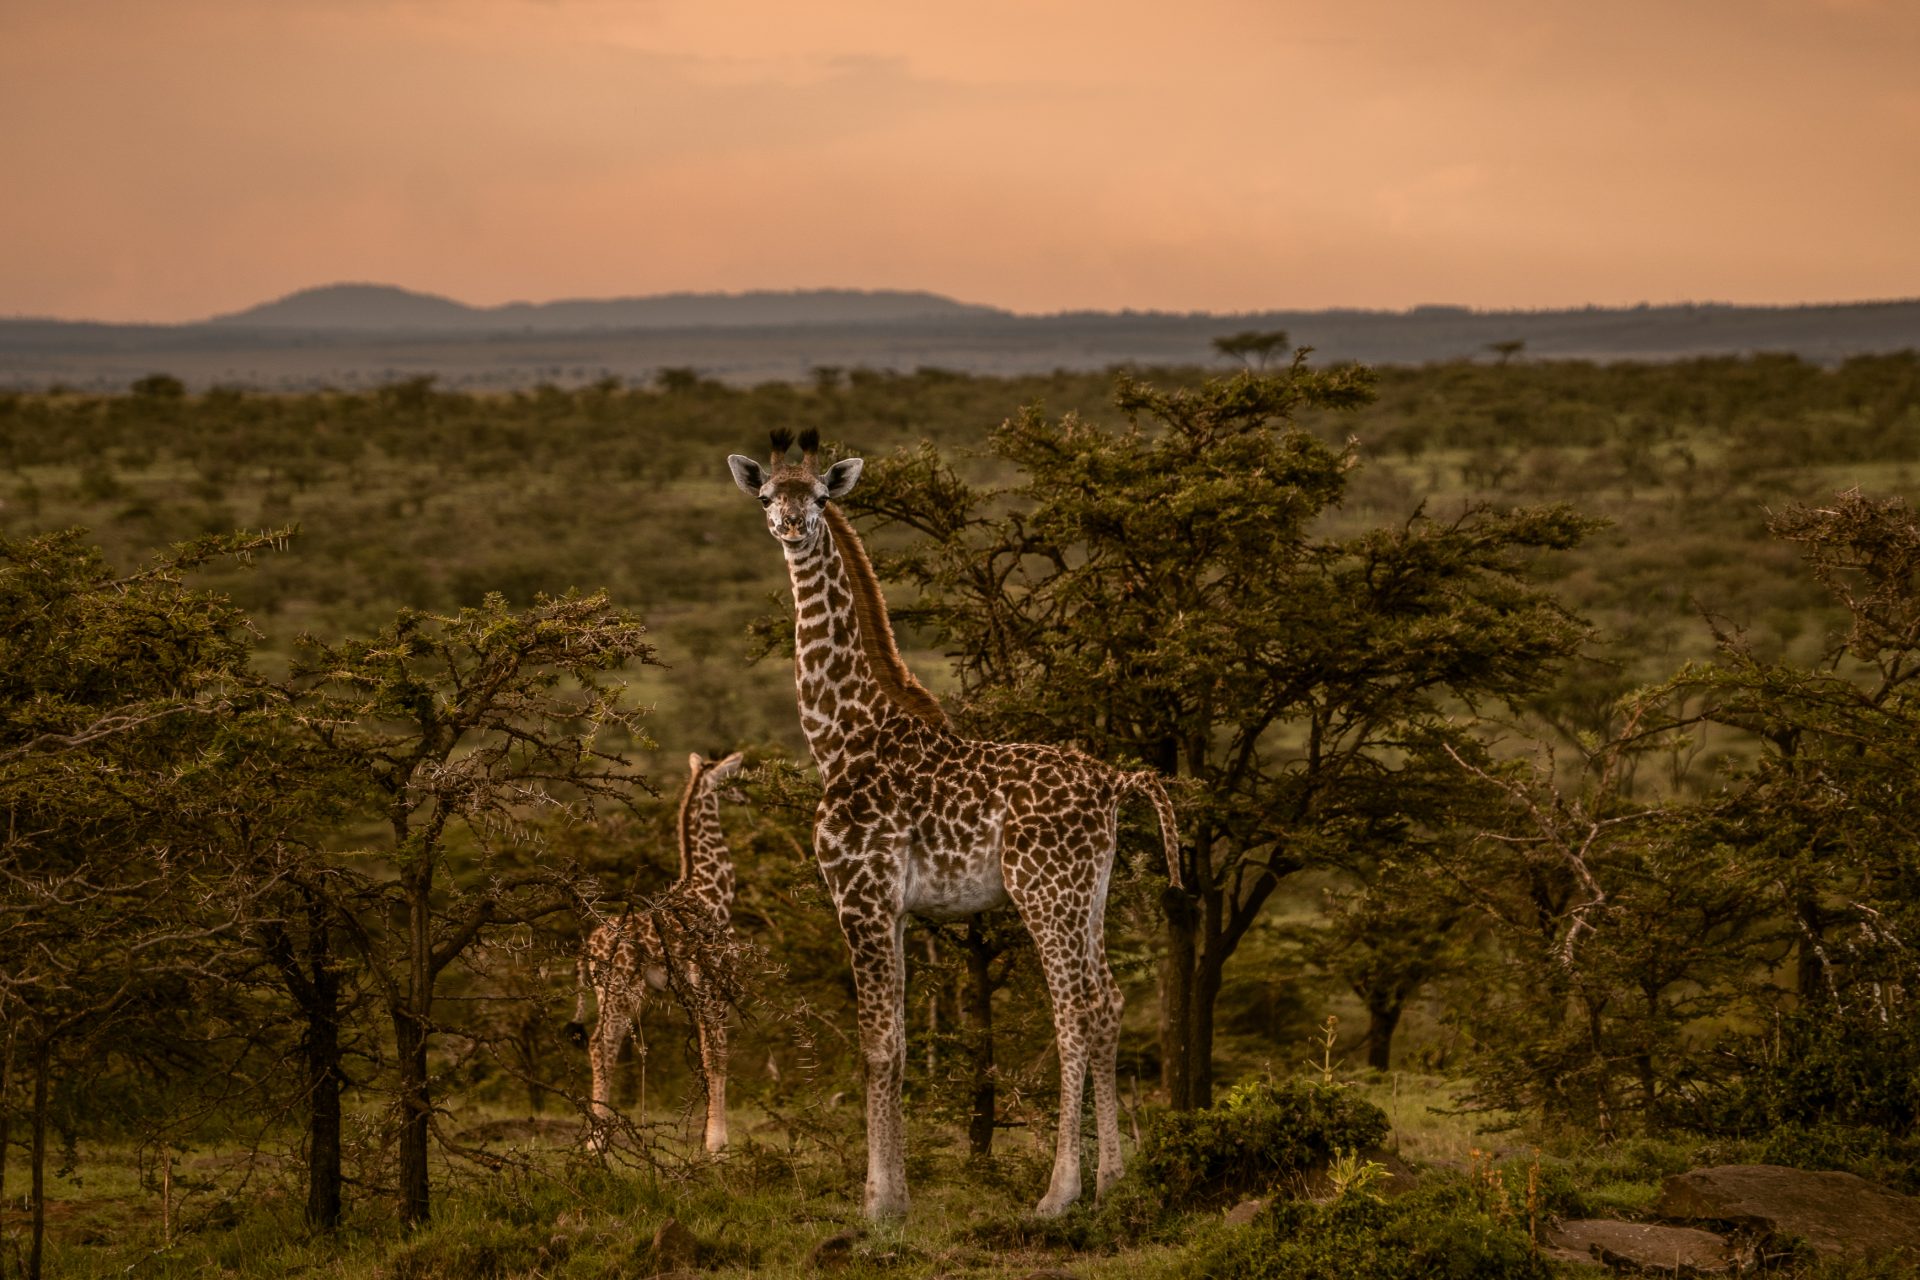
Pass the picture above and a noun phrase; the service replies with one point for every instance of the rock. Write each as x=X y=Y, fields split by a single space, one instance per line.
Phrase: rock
x=834 y=1252
x=1643 y=1245
x=674 y=1248
x=1244 y=1212
x=1837 y=1214
x=1399 y=1178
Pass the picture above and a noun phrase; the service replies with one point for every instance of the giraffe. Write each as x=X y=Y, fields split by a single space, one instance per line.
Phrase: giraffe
x=915 y=819
x=658 y=949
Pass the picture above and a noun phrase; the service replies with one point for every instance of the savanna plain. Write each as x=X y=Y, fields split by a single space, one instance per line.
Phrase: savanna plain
x=1540 y=733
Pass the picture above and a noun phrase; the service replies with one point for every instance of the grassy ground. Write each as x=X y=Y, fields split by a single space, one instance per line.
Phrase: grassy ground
x=788 y=1191
x=556 y=1211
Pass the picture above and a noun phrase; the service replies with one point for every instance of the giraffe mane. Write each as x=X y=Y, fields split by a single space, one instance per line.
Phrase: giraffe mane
x=876 y=628
x=684 y=828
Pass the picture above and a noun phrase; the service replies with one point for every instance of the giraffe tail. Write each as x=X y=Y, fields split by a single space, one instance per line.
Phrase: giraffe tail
x=576 y=1030
x=1148 y=784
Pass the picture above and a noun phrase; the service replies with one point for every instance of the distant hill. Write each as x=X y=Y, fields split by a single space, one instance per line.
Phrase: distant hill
x=365 y=335
x=355 y=306
x=383 y=308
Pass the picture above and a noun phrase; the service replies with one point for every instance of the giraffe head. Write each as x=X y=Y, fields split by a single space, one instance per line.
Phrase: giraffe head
x=711 y=775
x=794 y=494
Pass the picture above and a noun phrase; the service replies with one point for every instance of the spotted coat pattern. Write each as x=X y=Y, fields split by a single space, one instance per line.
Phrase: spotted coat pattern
x=652 y=951
x=915 y=819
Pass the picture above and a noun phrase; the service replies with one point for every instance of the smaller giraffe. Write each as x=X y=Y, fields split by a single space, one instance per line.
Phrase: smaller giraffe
x=659 y=949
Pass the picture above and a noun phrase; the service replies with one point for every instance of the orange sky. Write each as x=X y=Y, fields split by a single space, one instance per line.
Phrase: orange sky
x=170 y=159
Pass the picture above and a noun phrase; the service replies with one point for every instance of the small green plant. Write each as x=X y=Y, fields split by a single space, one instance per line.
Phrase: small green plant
x=1348 y=1174
x=1327 y=1066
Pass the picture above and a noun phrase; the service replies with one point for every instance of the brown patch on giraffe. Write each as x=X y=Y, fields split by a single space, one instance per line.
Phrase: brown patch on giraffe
x=876 y=628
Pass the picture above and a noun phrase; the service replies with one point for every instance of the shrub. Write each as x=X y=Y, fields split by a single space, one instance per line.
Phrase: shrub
x=1259 y=1134
x=1831 y=1069
x=1432 y=1234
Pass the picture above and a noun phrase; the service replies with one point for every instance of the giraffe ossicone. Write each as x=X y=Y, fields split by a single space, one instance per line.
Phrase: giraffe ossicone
x=916 y=820
x=670 y=945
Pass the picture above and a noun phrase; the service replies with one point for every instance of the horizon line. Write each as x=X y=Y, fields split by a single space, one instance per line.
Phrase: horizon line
x=998 y=310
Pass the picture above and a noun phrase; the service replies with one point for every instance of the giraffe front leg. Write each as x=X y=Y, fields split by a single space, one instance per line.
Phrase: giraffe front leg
x=878 y=948
x=713 y=1063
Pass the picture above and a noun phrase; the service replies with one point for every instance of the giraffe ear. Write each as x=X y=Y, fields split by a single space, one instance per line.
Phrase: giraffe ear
x=842 y=476
x=747 y=473
x=728 y=767
x=695 y=763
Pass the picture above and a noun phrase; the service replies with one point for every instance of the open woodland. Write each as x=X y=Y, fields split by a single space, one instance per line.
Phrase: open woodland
x=1541 y=734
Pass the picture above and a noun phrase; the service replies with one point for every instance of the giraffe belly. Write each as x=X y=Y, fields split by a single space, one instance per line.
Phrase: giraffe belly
x=951 y=887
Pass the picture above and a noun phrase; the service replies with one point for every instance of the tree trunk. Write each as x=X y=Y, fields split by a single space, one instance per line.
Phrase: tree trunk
x=1209 y=972
x=1383 y=1019
x=1177 y=999
x=410 y=1044
x=324 y=1077
x=41 y=1070
x=980 y=1040
x=1812 y=965
x=530 y=1059
x=6 y=1112
x=410 y=1025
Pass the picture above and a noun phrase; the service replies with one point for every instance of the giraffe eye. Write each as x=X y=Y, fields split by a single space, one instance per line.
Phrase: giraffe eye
x=820 y=500
x=765 y=501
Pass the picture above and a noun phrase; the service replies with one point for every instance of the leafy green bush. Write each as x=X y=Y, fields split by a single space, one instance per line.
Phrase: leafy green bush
x=1830 y=1069
x=1259 y=1134
x=1830 y=1091
x=1437 y=1233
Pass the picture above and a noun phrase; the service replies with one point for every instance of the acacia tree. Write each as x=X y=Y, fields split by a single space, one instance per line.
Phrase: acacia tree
x=1823 y=820
x=1637 y=937
x=112 y=689
x=1613 y=930
x=1177 y=592
x=264 y=830
x=1253 y=348
x=456 y=728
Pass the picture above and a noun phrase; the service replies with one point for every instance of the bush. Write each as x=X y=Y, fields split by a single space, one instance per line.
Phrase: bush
x=1258 y=1135
x=1432 y=1234
x=1829 y=1069
x=1831 y=1092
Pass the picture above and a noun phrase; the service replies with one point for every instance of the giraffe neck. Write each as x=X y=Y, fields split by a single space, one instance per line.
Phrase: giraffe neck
x=706 y=864
x=841 y=704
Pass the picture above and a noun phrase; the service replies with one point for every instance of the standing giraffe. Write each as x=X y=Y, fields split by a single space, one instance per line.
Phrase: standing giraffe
x=659 y=949
x=915 y=819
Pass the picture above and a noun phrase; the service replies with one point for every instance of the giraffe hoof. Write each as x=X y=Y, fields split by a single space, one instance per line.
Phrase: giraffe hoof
x=889 y=1209
x=1052 y=1206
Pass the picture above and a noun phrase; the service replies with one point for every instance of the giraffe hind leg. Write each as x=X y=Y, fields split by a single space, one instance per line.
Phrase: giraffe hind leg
x=1103 y=1034
x=603 y=1055
x=1065 y=910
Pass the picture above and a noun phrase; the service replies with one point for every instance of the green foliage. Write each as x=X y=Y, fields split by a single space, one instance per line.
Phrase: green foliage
x=1757 y=877
x=1833 y=1068
x=1173 y=592
x=1257 y=1137
x=1439 y=1232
